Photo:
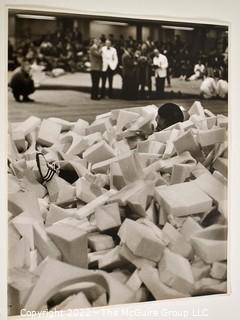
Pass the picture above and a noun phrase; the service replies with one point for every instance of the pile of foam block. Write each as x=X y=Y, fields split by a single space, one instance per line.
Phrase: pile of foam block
x=133 y=216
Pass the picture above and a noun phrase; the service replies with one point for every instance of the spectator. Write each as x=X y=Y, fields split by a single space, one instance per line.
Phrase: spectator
x=145 y=70
x=129 y=72
x=160 y=64
x=110 y=62
x=95 y=56
x=199 y=69
x=208 y=88
x=21 y=83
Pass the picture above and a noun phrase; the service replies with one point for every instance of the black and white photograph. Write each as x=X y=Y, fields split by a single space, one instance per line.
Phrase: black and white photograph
x=117 y=160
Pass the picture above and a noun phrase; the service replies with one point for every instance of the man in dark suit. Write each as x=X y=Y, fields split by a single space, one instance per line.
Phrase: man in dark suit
x=95 y=56
x=22 y=83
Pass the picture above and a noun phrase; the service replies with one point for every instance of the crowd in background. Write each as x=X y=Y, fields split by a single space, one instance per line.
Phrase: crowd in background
x=68 y=51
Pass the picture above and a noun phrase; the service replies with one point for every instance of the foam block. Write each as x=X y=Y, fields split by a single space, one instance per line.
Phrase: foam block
x=100 y=125
x=66 y=275
x=98 y=152
x=86 y=191
x=150 y=277
x=101 y=301
x=89 y=208
x=197 y=109
x=18 y=254
x=20 y=283
x=150 y=146
x=210 y=286
x=98 y=242
x=189 y=227
x=57 y=213
x=211 y=243
x=76 y=301
x=108 y=216
x=137 y=261
x=124 y=119
x=175 y=271
x=221 y=164
x=24 y=225
x=177 y=243
x=187 y=142
x=65 y=125
x=130 y=167
x=18 y=138
x=212 y=186
x=140 y=240
x=43 y=243
x=121 y=274
x=200 y=270
x=94 y=257
x=48 y=133
x=170 y=149
x=219 y=271
x=181 y=172
x=183 y=199
x=222 y=121
x=167 y=164
x=71 y=241
x=60 y=191
x=80 y=127
x=73 y=144
x=116 y=177
x=111 y=260
x=211 y=137
x=91 y=290
x=134 y=282
x=29 y=124
x=24 y=202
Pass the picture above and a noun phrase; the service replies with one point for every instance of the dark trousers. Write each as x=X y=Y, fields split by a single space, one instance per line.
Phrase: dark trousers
x=108 y=74
x=23 y=89
x=95 y=76
x=160 y=82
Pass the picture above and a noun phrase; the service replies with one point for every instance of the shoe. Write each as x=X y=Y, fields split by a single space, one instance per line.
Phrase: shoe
x=17 y=97
x=27 y=99
x=46 y=169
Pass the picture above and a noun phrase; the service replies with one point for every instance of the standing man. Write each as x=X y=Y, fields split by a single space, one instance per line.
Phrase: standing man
x=129 y=73
x=95 y=56
x=110 y=62
x=160 y=63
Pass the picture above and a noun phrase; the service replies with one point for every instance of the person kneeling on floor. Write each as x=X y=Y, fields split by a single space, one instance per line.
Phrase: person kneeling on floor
x=22 y=83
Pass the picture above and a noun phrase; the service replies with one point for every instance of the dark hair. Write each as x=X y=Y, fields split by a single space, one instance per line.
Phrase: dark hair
x=171 y=113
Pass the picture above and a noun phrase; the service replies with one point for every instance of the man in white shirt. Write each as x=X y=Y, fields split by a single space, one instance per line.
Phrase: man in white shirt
x=109 y=65
x=160 y=64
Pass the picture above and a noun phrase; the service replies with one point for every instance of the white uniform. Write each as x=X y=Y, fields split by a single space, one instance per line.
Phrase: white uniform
x=222 y=88
x=208 y=88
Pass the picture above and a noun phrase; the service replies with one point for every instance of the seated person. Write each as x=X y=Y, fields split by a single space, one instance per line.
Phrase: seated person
x=222 y=88
x=208 y=88
x=22 y=83
x=168 y=114
x=199 y=70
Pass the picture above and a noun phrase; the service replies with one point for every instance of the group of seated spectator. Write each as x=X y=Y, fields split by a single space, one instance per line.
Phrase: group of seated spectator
x=69 y=52
x=59 y=50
